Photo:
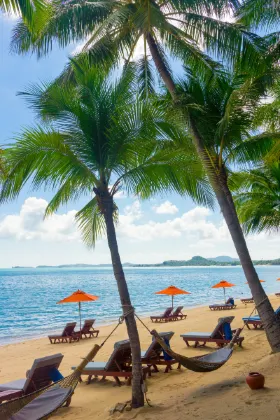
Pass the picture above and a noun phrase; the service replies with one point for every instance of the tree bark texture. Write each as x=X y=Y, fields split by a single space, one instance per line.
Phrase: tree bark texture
x=107 y=206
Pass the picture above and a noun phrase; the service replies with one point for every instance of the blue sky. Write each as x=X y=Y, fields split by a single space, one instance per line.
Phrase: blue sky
x=153 y=231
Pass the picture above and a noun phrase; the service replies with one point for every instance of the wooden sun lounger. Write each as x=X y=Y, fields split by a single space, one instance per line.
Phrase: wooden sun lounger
x=222 y=307
x=153 y=355
x=165 y=317
x=39 y=376
x=118 y=366
x=177 y=315
x=88 y=330
x=217 y=336
x=247 y=300
x=68 y=335
x=255 y=321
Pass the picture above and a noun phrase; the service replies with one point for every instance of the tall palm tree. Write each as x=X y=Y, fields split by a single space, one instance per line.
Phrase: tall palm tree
x=258 y=198
x=97 y=138
x=219 y=113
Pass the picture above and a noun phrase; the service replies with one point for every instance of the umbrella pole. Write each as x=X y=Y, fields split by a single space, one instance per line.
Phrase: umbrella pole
x=224 y=294
x=80 y=316
x=172 y=301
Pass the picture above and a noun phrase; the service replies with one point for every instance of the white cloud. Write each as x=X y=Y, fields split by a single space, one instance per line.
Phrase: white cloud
x=166 y=208
x=192 y=224
x=142 y=238
x=29 y=223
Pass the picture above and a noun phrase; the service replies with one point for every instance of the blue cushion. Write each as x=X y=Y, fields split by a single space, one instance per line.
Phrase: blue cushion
x=227 y=331
x=55 y=375
x=165 y=355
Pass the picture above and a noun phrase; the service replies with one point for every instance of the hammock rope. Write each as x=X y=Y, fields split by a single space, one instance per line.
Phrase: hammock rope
x=205 y=363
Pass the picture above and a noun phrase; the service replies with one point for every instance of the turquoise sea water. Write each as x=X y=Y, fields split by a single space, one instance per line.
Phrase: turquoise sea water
x=28 y=297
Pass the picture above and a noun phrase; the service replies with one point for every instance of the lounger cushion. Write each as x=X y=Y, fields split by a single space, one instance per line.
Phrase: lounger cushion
x=93 y=366
x=43 y=405
x=16 y=385
x=197 y=334
x=252 y=318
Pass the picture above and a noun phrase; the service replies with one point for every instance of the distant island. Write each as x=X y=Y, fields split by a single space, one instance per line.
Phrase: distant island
x=196 y=261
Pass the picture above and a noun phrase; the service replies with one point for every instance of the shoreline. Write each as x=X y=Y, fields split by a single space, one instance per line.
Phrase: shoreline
x=97 y=325
x=200 y=395
x=144 y=316
x=110 y=323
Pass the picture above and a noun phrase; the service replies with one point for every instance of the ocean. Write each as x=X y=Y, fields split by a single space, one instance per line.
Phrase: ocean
x=28 y=297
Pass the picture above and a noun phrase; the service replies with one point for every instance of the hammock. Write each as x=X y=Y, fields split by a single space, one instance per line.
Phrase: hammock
x=206 y=363
x=43 y=403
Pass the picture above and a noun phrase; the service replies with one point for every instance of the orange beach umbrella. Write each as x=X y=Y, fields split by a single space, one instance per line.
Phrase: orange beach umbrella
x=172 y=291
x=278 y=279
x=78 y=297
x=223 y=284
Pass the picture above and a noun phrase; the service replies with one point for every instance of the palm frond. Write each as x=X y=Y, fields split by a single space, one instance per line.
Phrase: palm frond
x=91 y=222
x=257 y=199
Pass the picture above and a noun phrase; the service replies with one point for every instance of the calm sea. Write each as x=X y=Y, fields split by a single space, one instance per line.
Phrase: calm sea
x=28 y=297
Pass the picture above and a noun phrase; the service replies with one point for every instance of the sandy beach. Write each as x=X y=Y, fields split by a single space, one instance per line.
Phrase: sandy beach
x=222 y=394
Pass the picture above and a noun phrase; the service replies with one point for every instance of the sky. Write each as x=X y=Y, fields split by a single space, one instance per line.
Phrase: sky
x=152 y=231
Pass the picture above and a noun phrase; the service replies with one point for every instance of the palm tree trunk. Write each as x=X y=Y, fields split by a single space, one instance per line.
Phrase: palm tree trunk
x=224 y=198
x=218 y=180
x=107 y=206
x=160 y=65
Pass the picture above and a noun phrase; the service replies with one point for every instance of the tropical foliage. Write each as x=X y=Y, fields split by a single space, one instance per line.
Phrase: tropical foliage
x=171 y=29
x=97 y=134
x=258 y=199
x=33 y=13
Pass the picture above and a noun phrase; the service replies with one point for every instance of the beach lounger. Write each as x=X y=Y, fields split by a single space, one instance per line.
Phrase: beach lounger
x=43 y=372
x=255 y=321
x=177 y=315
x=88 y=330
x=68 y=335
x=165 y=317
x=221 y=335
x=222 y=307
x=247 y=300
x=118 y=366
x=155 y=357
x=277 y=294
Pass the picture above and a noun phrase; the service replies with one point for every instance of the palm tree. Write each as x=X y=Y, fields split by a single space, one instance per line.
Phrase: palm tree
x=97 y=138
x=219 y=113
x=258 y=198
